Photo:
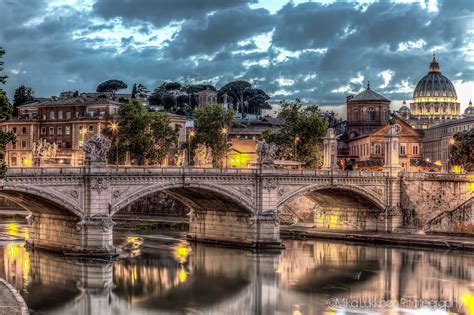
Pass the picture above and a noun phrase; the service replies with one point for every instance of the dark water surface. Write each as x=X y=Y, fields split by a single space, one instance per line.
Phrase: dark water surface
x=164 y=274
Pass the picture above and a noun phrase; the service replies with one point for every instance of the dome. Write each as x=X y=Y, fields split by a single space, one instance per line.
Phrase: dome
x=434 y=84
x=404 y=110
x=469 y=111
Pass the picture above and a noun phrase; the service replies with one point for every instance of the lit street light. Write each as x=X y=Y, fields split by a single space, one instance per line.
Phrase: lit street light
x=191 y=135
x=297 y=139
x=224 y=131
x=114 y=127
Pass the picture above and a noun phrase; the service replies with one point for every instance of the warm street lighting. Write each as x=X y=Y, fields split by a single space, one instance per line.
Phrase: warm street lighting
x=452 y=141
x=224 y=131
x=297 y=139
x=191 y=135
x=114 y=127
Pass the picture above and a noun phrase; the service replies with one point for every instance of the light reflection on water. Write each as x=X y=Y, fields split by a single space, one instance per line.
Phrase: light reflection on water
x=165 y=274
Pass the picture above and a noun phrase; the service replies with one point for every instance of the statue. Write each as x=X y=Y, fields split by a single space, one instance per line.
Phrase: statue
x=54 y=150
x=180 y=158
x=202 y=156
x=393 y=118
x=266 y=152
x=96 y=149
x=34 y=149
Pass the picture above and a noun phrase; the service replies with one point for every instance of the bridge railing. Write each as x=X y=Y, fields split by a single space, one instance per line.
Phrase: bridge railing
x=153 y=170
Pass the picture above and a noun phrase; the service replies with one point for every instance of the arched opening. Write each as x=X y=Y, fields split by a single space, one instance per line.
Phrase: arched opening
x=217 y=214
x=341 y=208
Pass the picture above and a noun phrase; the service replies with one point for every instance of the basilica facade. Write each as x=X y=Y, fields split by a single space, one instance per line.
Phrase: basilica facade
x=434 y=100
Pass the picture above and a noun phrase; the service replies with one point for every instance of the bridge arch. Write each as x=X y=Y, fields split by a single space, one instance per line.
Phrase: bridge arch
x=197 y=196
x=41 y=200
x=340 y=207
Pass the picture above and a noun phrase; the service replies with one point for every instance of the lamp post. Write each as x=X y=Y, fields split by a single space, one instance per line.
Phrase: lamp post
x=295 y=150
x=114 y=128
x=83 y=132
x=224 y=131
x=191 y=135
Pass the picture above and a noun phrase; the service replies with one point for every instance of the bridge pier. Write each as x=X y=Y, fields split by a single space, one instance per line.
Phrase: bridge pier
x=235 y=228
x=71 y=235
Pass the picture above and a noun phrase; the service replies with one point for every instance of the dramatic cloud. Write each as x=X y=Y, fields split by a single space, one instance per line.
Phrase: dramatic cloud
x=318 y=51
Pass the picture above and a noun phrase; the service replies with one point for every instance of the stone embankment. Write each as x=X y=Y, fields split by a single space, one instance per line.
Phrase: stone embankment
x=11 y=302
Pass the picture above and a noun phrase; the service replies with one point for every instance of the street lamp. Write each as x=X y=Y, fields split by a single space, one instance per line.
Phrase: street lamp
x=224 y=131
x=114 y=127
x=295 y=152
x=191 y=135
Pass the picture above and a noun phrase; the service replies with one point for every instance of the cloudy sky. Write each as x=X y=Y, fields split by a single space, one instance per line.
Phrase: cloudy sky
x=318 y=51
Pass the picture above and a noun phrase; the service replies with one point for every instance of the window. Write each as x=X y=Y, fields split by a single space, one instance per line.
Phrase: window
x=68 y=115
x=60 y=131
x=378 y=149
x=77 y=114
x=415 y=149
x=14 y=161
x=60 y=114
x=14 y=129
x=23 y=144
x=23 y=131
x=43 y=130
x=51 y=130
x=14 y=145
x=51 y=115
x=403 y=149
x=371 y=114
x=91 y=128
x=67 y=130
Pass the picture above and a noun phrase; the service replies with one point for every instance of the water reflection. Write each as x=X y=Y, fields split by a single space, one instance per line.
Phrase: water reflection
x=168 y=275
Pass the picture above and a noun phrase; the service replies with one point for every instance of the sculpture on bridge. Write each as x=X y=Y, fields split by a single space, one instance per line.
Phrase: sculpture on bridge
x=96 y=149
x=266 y=152
x=203 y=156
x=44 y=149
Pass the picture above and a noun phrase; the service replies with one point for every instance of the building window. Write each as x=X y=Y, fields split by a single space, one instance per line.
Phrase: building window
x=68 y=115
x=60 y=114
x=23 y=144
x=403 y=150
x=51 y=130
x=415 y=149
x=371 y=114
x=91 y=128
x=51 y=115
x=14 y=129
x=14 y=161
x=14 y=145
x=378 y=149
x=67 y=130
x=43 y=131
x=60 y=131
x=23 y=131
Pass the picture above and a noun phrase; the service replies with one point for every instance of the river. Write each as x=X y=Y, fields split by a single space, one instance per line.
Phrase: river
x=164 y=274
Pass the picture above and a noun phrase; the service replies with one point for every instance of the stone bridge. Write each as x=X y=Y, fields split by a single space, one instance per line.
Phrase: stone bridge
x=72 y=208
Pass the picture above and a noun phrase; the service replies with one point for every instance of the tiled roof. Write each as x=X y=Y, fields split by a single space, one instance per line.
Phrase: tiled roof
x=369 y=95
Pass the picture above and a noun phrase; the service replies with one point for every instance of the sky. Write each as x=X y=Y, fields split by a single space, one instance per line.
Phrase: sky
x=317 y=51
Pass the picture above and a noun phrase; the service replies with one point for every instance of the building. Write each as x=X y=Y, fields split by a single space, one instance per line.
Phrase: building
x=434 y=100
x=53 y=132
x=368 y=149
x=437 y=139
x=207 y=97
x=366 y=112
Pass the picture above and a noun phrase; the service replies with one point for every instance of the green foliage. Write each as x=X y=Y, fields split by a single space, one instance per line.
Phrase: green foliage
x=461 y=150
x=3 y=78
x=111 y=86
x=303 y=125
x=139 y=90
x=210 y=122
x=245 y=98
x=147 y=136
x=6 y=109
x=23 y=94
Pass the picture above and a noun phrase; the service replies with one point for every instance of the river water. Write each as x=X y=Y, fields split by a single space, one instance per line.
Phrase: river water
x=164 y=274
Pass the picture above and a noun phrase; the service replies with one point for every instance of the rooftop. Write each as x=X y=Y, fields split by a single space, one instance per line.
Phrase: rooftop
x=369 y=95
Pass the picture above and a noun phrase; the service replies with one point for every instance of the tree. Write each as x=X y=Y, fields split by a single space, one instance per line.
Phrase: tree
x=6 y=110
x=111 y=86
x=23 y=94
x=148 y=137
x=303 y=129
x=211 y=124
x=461 y=150
x=245 y=98
x=139 y=90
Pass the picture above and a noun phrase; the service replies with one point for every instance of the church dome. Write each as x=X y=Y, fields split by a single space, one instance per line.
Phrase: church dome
x=469 y=111
x=434 y=84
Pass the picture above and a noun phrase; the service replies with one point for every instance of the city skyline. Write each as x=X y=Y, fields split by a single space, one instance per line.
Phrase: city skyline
x=318 y=51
